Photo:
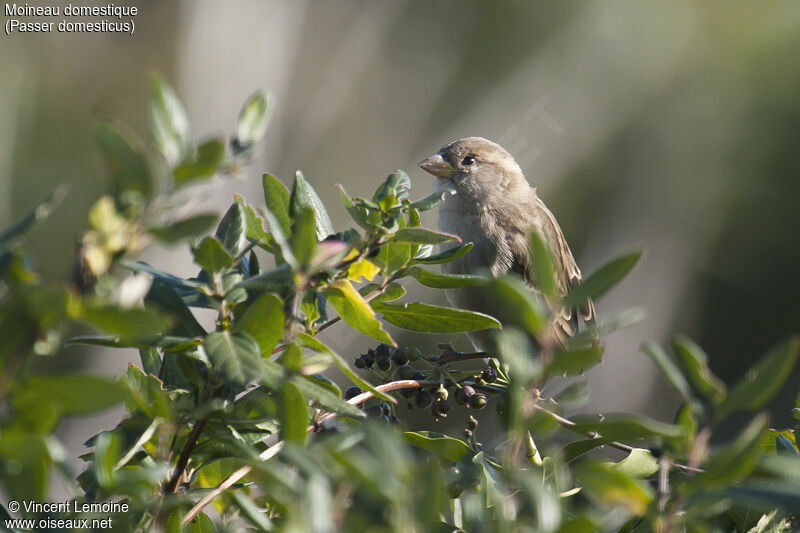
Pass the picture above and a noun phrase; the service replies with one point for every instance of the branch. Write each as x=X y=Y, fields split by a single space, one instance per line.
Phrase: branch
x=273 y=450
x=569 y=424
x=183 y=460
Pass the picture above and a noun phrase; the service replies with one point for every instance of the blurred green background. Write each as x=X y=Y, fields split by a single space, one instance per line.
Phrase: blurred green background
x=669 y=125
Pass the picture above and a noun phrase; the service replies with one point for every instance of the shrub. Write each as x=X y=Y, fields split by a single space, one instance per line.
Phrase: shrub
x=238 y=428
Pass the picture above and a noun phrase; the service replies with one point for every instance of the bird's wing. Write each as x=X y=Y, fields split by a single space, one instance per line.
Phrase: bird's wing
x=567 y=273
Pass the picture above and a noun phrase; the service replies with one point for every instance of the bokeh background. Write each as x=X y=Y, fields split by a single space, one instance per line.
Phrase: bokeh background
x=672 y=126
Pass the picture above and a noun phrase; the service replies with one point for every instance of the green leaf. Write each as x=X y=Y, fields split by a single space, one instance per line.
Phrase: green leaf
x=433 y=318
x=358 y=213
x=763 y=380
x=574 y=361
x=164 y=277
x=168 y=301
x=277 y=199
x=433 y=200
x=393 y=256
x=440 y=280
x=294 y=415
x=234 y=356
x=315 y=344
x=670 y=370
x=252 y=123
x=445 y=256
x=204 y=164
x=255 y=514
x=397 y=184
x=168 y=124
x=125 y=161
x=188 y=228
x=578 y=448
x=275 y=280
x=263 y=320
x=423 y=236
x=304 y=195
x=37 y=215
x=639 y=463
x=735 y=461
x=151 y=360
x=304 y=239
x=613 y=488
x=602 y=279
x=624 y=426
x=324 y=398
x=211 y=256
x=232 y=230
x=355 y=311
x=694 y=363
x=542 y=263
x=393 y=291
x=69 y=394
x=446 y=447
x=281 y=239
x=125 y=322
x=514 y=296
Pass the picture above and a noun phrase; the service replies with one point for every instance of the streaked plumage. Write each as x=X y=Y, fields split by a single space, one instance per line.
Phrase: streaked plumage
x=496 y=208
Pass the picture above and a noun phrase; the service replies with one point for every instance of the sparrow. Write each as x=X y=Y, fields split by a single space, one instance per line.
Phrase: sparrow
x=495 y=208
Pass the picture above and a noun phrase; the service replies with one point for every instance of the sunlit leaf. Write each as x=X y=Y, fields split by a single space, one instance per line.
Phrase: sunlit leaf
x=304 y=195
x=441 y=280
x=433 y=318
x=168 y=124
x=252 y=123
x=277 y=199
x=423 y=236
x=263 y=320
x=355 y=311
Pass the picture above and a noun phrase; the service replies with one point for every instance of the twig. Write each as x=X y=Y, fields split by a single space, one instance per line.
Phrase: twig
x=566 y=422
x=183 y=460
x=273 y=450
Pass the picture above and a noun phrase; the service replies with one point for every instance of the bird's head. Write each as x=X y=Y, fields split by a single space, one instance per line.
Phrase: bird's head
x=474 y=166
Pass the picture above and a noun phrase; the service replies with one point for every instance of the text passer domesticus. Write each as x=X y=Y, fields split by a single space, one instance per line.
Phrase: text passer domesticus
x=496 y=209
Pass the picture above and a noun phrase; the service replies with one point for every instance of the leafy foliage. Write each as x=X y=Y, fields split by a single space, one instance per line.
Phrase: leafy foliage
x=240 y=427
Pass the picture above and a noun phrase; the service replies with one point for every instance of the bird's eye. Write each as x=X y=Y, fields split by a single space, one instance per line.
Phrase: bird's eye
x=468 y=161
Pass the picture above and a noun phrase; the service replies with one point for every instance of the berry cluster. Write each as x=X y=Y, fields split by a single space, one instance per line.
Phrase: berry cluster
x=468 y=390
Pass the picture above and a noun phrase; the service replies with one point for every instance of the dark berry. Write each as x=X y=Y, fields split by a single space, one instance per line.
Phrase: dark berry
x=400 y=357
x=383 y=350
x=478 y=401
x=384 y=363
x=461 y=396
x=443 y=407
x=424 y=398
x=369 y=358
x=405 y=372
x=352 y=392
x=360 y=362
x=489 y=375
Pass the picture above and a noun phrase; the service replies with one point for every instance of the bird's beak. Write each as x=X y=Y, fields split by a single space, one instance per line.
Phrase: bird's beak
x=437 y=166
